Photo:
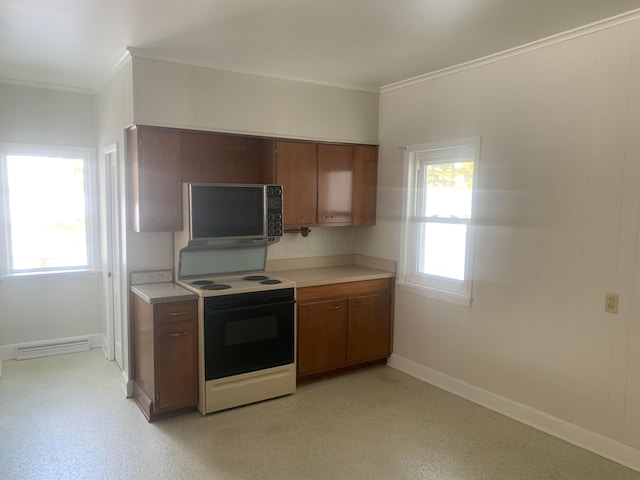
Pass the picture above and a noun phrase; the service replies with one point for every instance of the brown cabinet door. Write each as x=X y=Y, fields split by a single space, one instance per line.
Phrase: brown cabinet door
x=335 y=184
x=322 y=336
x=223 y=158
x=176 y=366
x=296 y=171
x=369 y=328
x=365 y=178
x=156 y=194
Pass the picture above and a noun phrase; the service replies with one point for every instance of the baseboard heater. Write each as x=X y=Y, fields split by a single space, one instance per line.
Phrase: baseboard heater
x=54 y=348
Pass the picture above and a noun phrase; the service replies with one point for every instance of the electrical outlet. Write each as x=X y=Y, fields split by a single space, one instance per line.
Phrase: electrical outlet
x=611 y=303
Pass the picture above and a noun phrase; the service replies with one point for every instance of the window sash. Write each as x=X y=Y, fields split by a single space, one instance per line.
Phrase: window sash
x=441 y=257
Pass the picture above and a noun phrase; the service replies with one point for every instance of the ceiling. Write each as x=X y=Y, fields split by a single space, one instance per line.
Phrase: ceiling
x=364 y=44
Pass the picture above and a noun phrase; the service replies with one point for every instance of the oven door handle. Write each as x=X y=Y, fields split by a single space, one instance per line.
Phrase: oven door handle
x=212 y=310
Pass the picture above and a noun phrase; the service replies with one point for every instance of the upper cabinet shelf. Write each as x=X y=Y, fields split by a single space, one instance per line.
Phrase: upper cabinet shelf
x=324 y=184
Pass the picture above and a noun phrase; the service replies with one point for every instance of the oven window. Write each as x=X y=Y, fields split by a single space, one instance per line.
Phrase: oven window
x=241 y=338
x=251 y=330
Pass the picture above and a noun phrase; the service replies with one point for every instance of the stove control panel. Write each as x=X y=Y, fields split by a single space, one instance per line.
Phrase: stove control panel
x=274 y=210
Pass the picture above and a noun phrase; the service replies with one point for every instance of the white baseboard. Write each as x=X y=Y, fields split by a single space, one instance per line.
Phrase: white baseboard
x=10 y=352
x=594 y=442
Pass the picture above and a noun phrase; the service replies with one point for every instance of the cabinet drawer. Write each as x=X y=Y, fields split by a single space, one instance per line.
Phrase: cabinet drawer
x=177 y=312
x=346 y=289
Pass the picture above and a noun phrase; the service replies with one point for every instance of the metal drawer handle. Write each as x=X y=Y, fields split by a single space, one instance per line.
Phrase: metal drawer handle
x=327 y=216
x=335 y=307
x=177 y=334
x=361 y=304
x=175 y=314
x=300 y=218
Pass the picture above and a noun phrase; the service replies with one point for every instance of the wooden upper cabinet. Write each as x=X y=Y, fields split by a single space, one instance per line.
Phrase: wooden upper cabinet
x=153 y=158
x=365 y=179
x=327 y=184
x=323 y=184
x=335 y=184
x=296 y=169
x=223 y=158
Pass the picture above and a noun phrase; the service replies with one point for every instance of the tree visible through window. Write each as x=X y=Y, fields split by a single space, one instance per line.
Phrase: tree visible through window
x=45 y=210
x=438 y=230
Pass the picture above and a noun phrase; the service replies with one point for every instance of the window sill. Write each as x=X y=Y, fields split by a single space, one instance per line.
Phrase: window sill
x=51 y=276
x=441 y=295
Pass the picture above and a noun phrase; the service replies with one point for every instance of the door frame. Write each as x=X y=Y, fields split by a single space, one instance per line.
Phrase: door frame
x=113 y=234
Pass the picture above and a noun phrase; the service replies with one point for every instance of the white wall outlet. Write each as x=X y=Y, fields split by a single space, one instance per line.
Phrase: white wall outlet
x=611 y=303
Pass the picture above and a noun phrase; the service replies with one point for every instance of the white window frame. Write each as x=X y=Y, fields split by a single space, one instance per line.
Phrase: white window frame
x=409 y=279
x=90 y=170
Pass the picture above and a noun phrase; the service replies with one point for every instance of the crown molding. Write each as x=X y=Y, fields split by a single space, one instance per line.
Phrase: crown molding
x=123 y=58
x=522 y=49
x=47 y=86
x=141 y=53
x=120 y=62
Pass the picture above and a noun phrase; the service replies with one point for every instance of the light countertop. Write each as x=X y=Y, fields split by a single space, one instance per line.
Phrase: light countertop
x=165 y=292
x=309 y=277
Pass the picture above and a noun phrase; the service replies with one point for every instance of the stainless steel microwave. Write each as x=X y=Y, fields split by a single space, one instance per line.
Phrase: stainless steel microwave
x=222 y=211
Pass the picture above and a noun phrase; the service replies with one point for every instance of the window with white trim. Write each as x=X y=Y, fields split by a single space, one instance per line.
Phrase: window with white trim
x=48 y=209
x=438 y=232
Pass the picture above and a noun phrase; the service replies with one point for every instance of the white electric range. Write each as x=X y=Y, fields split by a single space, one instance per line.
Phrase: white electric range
x=216 y=285
x=246 y=326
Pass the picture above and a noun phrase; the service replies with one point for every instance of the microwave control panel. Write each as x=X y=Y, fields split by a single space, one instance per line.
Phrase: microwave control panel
x=274 y=210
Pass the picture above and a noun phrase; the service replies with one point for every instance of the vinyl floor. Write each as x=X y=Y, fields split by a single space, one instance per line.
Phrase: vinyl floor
x=66 y=417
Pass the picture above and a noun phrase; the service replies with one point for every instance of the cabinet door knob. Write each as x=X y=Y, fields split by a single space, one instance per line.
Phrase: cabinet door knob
x=335 y=307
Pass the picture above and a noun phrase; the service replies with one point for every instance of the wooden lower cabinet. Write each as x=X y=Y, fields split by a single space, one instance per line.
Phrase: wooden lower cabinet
x=343 y=326
x=165 y=357
x=369 y=328
x=322 y=336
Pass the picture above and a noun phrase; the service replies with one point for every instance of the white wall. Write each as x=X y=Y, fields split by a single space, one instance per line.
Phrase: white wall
x=32 y=115
x=320 y=242
x=175 y=95
x=558 y=227
x=48 y=308
x=114 y=112
x=38 y=310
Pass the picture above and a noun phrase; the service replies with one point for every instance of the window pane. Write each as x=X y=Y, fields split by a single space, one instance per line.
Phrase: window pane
x=442 y=250
x=448 y=189
x=47 y=212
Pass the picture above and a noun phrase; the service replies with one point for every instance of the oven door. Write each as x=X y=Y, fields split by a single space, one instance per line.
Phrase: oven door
x=254 y=332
